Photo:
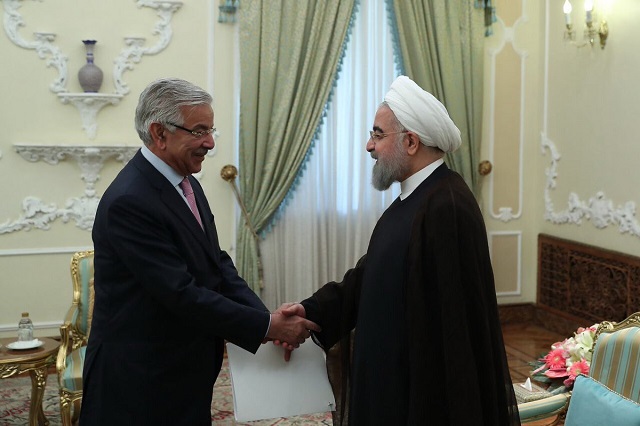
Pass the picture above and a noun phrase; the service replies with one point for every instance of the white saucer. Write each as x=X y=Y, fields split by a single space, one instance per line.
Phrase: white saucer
x=35 y=343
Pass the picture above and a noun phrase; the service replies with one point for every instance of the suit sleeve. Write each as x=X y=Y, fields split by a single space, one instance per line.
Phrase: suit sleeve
x=174 y=272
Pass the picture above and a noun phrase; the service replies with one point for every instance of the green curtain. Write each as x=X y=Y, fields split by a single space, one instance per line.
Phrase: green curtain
x=289 y=56
x=441 y=47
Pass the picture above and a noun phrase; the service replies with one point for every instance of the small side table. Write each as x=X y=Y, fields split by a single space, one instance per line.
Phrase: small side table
x=37 y=362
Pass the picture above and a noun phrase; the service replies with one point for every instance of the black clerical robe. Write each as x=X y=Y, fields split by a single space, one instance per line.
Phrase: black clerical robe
x=428 y=344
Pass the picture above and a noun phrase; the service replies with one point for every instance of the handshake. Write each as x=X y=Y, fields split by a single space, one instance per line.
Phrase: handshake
x=289 y=327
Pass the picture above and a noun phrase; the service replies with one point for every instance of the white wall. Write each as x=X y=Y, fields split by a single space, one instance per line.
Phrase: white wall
x=563 y=135
x=34 y=263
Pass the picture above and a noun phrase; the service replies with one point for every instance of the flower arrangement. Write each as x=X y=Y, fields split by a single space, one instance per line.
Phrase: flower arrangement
x=566 y=360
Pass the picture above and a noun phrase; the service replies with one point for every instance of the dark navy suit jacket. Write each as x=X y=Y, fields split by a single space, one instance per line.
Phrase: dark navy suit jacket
x=166 y=298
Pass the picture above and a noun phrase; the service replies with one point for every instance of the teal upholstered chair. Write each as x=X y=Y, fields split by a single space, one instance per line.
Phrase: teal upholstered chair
x=75 y=333
x=551 y=408
x=611 y=393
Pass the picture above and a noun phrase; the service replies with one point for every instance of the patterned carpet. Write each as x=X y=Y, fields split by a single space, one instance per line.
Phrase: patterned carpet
x=15 y=394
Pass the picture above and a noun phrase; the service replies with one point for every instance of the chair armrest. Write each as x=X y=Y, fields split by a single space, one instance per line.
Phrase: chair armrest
x=69 y=318
x=66 y=346
x=544 y=408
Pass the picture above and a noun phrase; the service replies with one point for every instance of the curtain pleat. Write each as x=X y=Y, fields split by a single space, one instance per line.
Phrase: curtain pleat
x=326 y=227
x=289 y=55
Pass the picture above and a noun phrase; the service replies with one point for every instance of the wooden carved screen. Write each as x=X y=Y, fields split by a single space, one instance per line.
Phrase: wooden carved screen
x=586 y=283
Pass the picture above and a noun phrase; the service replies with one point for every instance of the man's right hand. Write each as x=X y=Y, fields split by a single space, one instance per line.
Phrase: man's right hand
x=290 y=328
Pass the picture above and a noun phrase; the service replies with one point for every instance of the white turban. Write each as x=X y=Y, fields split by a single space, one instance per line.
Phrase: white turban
x=420 y=112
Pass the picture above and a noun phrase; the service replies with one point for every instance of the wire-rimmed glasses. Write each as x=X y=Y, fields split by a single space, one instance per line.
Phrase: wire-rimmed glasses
x=196 y=133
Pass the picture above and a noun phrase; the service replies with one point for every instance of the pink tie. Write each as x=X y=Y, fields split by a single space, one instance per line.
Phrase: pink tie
x=191 y=199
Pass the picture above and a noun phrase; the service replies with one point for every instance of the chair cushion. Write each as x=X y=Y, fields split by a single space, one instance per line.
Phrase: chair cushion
x=592 y=403
x=72 y=375
x=616 y=359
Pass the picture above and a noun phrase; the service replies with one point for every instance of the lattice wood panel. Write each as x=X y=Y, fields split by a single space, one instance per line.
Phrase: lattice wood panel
x=585 y=283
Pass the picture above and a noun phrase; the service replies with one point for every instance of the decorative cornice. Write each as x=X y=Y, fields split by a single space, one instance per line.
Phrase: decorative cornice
x=91 y=159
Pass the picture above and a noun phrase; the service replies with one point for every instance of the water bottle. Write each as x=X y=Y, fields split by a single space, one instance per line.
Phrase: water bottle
x=25 y=328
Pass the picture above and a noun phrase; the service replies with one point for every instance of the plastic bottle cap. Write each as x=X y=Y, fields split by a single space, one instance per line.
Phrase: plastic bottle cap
x=25 y=314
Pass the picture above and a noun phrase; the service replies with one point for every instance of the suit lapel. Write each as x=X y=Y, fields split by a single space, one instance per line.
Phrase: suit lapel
x=206 y=215
x=174 y=202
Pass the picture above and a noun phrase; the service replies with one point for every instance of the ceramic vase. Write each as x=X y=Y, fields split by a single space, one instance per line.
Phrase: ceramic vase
x=90 y=76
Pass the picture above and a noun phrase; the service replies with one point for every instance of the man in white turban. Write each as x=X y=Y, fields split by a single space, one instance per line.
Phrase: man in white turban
x=419 y=111
x=427 y=345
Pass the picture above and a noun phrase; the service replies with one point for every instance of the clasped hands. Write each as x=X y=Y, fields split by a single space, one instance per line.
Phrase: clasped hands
x=289 y=327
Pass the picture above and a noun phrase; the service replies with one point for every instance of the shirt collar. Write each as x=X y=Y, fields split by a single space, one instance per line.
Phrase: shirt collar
x=408 y=185
x=172 y=176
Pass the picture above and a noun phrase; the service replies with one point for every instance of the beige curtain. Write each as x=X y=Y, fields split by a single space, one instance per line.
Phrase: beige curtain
x=289 y=55
x=441 y=46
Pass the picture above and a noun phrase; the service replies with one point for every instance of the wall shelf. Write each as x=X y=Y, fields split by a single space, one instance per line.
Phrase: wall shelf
x=89 y=104
x=91 y=159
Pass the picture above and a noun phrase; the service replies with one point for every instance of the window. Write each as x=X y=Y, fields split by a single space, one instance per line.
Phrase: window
x=326 y=226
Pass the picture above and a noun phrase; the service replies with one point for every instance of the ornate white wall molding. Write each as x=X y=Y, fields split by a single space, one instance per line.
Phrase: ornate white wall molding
x=42 y=251
x=43 y=44
x=599 y=209
x=91 y=159
x=493 y=235
x=135 y=51
x=506 y=214
x=89 y=104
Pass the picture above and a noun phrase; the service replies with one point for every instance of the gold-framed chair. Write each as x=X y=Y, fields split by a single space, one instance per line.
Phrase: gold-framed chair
x=610 y=394
x=616 y=355
x=545 y=411
x=74 y=334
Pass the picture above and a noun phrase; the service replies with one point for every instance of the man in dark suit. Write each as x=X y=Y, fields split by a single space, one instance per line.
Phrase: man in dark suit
x=166 y=295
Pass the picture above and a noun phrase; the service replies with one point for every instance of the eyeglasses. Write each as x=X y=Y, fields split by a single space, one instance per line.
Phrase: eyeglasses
x=378 y=136
x=196 y=133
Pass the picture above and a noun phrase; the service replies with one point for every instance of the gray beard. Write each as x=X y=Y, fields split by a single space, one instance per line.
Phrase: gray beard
x=390 y=170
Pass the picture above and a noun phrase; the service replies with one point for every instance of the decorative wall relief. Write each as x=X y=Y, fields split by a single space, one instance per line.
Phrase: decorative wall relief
x=135 y=50
x=509 y=129
x=598 y=209
x=82 y=209
x=507 y=246
x=89 y=104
